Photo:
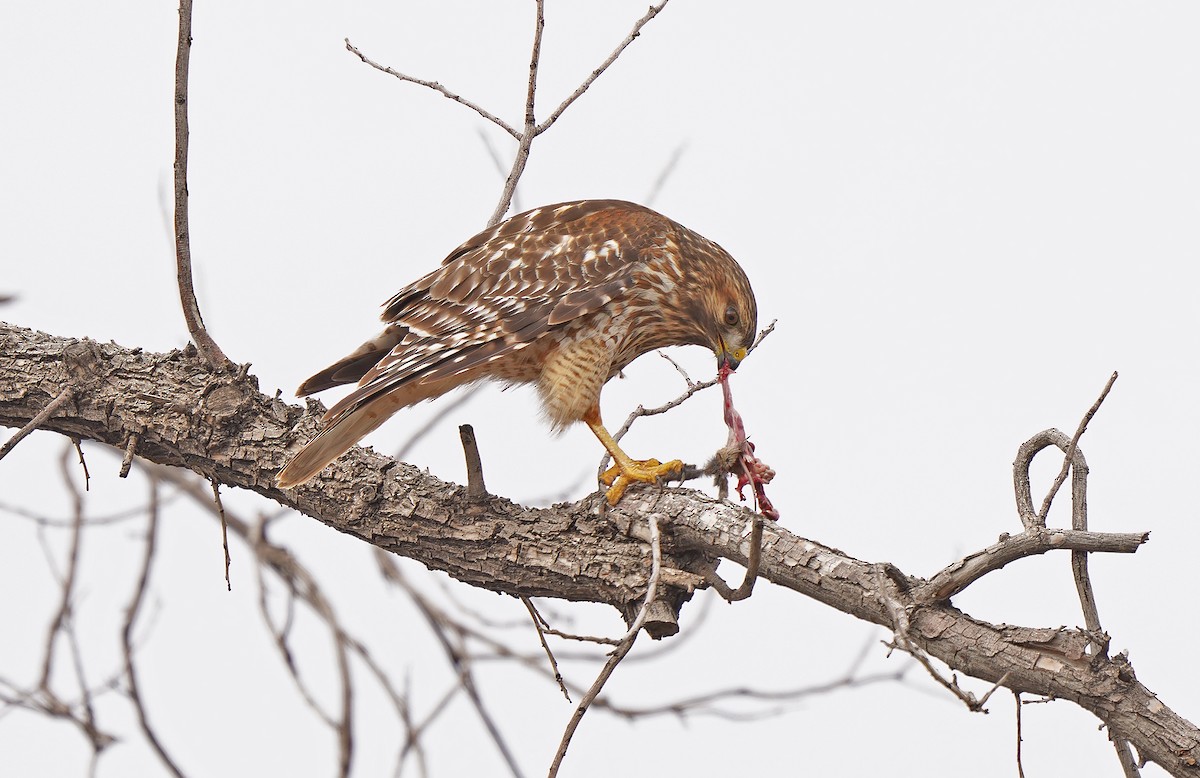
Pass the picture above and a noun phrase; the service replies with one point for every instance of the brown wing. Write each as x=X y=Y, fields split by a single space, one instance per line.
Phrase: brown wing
x=501 y=290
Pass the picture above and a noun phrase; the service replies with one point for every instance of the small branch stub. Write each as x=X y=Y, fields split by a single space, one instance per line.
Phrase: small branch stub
x=476 y=489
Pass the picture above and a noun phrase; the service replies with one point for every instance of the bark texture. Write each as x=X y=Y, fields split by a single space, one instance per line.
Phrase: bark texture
x=220 y=426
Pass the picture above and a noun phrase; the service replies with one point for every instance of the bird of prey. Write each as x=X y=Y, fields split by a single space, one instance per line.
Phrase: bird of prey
x=564 y=297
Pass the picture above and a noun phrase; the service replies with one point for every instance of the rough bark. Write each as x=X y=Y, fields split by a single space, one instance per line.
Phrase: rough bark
x=221 y=426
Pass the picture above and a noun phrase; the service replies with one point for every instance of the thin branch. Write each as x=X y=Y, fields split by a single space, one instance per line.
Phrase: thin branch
x=528 y=131
x=702 y=703
x=207 y=347
x=1020 y=768
x=538 y=624
x=892 y=599
x=87 y=476
x=460 y=662
x=494 y=156
x=591 y=79
x=435 y=86
x=216 y=492
x=1070 y=453
x=619 y=653
x=301 y=583
x=692 y=388
x=63 y=614
x=63 y=397
x=131 y=614
x=961 y=574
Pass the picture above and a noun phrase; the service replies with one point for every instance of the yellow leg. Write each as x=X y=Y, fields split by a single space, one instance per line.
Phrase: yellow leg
x=626 y=470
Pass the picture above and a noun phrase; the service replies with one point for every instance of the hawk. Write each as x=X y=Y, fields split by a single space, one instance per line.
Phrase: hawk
x=563 y=297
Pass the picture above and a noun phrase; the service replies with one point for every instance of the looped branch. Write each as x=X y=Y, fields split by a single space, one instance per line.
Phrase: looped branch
x=1031 y=518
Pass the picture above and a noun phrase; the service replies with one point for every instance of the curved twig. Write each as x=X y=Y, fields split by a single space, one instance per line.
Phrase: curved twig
x=131 y=614
x=207 y=347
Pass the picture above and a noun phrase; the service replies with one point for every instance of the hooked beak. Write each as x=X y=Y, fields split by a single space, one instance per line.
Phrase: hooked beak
x=730 y=358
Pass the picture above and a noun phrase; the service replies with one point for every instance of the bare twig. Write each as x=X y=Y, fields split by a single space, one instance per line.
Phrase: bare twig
x=702 y=703
x=1070 y=452
x=87 y=476
x=207 y=347
x=961 y=574
x=582 y=638
x=538 y=624
x=420 y=432
x=692 y=388
x=435 y=86
x=476 y=489
x=1020 y=767
x=301 y=583
x=528 y=130
x=890 y=596
x=619 y=653
x=494 y=156
x=63 y=615
x=599 y=71
x=988 y=695
x=461 y=663
x=216 y=492
x=131 y=614
x=130 y=451
x=1077 y=465
x=63 y=397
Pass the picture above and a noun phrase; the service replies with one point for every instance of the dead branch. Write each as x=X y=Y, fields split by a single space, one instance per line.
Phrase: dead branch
x=530 y=127
x=1039 y=540
x=435 y=86
x=1069 y=453
x=131 y=615
x=476 y=489
x=567 y=551
x=183 y=251
x=652 y=520
x=599 y=71
x=65 y=396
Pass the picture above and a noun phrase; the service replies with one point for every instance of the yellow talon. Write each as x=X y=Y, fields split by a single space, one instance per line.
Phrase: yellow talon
x=648 y=471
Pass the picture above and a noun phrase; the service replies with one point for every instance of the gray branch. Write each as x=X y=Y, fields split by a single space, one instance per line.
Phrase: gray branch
x=219 y=425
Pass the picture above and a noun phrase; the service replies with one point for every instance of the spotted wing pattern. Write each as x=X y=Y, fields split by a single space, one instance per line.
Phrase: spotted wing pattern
x=504 y=288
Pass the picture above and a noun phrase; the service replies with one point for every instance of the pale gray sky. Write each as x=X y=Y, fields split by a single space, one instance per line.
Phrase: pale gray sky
x=964 y=216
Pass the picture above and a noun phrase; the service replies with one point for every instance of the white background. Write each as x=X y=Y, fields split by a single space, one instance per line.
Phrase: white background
x=964 y=217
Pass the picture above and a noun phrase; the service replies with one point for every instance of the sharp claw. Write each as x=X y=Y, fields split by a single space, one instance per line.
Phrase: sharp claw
x=644 y=471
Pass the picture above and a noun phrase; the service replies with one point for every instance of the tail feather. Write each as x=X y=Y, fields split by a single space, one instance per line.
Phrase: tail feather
x=350 y=369
x=333 y=441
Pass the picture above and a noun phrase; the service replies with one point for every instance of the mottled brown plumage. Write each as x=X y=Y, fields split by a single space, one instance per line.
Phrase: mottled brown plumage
x=563 y=296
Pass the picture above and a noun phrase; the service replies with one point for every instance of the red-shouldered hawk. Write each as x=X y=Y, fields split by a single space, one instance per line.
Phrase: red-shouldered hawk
x=564 y=297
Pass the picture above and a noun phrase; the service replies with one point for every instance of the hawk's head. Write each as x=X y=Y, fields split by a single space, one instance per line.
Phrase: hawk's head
x=725 y=310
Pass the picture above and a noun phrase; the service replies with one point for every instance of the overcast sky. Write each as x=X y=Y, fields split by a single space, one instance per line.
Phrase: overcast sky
x=964 y=216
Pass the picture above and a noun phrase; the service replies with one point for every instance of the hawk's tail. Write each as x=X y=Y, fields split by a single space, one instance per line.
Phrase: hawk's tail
x=332 y=442
x=352 y=368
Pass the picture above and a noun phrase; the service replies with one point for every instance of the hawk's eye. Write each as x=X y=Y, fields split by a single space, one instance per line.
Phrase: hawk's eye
x=731 y=316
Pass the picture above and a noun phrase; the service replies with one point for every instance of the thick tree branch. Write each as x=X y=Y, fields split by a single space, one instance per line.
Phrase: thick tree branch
x=221 y=427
